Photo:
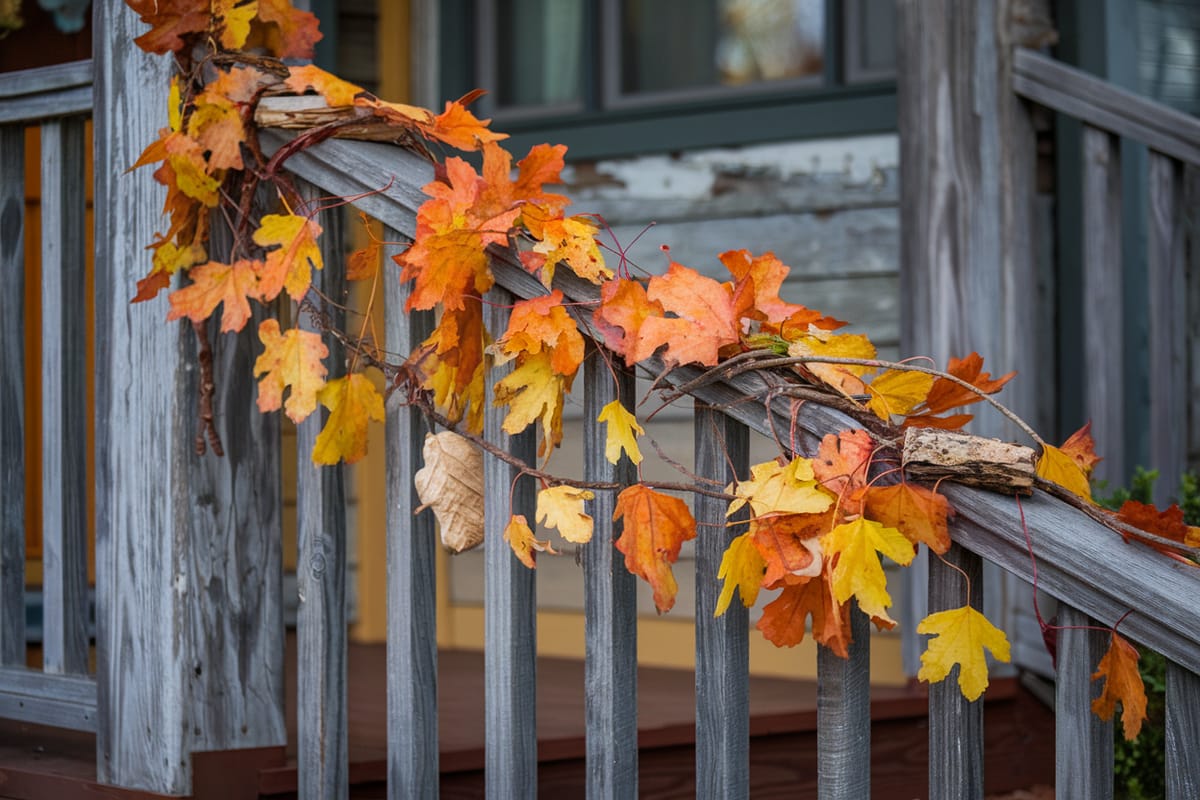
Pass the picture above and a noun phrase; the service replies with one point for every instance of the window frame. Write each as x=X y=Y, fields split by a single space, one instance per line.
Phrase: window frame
x=675 y=120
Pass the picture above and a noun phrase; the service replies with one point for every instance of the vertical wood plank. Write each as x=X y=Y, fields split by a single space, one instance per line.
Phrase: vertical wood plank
x=955 y=724
x=722 y=448
x=322 y=753
x=64 y=454
x=844 y=715
x=1167 y=288
x=510 y=598
x=1182 y=731
x=1083 y=742
x=1103 y=310
x=412 y=574
x=610 y=602
x=12 y=393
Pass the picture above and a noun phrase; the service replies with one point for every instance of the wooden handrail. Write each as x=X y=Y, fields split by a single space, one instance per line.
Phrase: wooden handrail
x=1103 y=105
x=30 y=95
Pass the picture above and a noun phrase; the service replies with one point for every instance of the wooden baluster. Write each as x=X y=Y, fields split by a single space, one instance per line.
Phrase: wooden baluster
x=610 y=602
x=1083 y=742
x=411 y=558
x=1183 y=731
x=844 y=715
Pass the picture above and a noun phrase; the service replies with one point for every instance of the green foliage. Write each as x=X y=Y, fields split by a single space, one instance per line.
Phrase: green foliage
x=1141 y=488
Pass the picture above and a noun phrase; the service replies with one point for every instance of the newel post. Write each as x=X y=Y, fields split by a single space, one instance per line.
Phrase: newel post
x=188 y=566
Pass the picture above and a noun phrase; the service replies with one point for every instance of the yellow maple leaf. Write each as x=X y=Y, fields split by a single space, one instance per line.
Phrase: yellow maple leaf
x=959 y=637
x=561 y=507
x=780 y=489
x=521 y=539
x=1058 y=467
x=533 y=391
x=291 y=359
x=287 y=266
x=216 y=123
x=898 y=392
x=621 y=434
x=352 y=401
x=857 y=571
x=742 y=568
x=237 y=22
x=846 y=378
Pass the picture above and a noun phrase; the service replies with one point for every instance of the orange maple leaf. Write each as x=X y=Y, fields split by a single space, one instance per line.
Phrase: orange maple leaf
x=788 y=544
x=918 y=513
x=286 y=31
x=452 y=363
x=363 y=263
x=291 y=359
x=841 y=466
x=655 y=526
x=571 y=241
x=704 y=321
x=1168 y=524
x=336 y=91
x=216 y=124
x=764 y=275
x=623 y=308
x=287 y=266
x=784 y=620
x=171 y=23
x=353 y=401
x=1081 y=448
x=945 y=395
x=543 y=324
x=458 y=127
x=1123 y=685
x=214 y=284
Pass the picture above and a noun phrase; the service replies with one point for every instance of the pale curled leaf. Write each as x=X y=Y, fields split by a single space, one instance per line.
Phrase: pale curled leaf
x=451 y=483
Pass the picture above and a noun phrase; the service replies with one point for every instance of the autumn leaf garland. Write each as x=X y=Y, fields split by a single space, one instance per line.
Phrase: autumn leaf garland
x=815 y=530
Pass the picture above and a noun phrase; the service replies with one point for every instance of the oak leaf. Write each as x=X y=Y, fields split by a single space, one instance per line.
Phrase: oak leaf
x=775 y=488
x=1123 y=684
x=918 y=513
x=287 y=266
x=742 y=569
x=785 y=619
x=705 y=320
x=523 y=543
x=960 y=636
x=451 y=483
x=561 y=507
x=290 y=360
x=352 y=401
x=214 y=284
x=621 y=433
x=655 y=527
x=854 y=548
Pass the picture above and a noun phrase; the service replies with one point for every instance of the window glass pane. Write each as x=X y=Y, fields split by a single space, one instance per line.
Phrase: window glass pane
x=539 y=44
x=683 y=44
x=872 y=45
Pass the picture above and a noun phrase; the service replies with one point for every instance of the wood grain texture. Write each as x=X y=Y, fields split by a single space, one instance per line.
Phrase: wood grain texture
x=1102 y=302
x=143 y=437
x=31 y=95
x=722 y=448
x=64 y=429
x=1083 y=742
x=968 y=277
x=12 y=398
x=321 y=748
x=955 y=723
x=1182 y=731
x=1167 y=289
x=844 y=715
x=510 y=597
x=610 y=602
x=1103 y=105
x=411 y=553
x=64 y=701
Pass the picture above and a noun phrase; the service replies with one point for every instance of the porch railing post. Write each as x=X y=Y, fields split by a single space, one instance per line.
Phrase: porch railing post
x=189 y=627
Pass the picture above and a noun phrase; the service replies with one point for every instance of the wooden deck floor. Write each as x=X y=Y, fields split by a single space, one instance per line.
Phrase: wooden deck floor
x=40 y=762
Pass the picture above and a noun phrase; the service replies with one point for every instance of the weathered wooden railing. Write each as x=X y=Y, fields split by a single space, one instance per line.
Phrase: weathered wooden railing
x=58 y=101
x=1094 y=573
x=1109 y=113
